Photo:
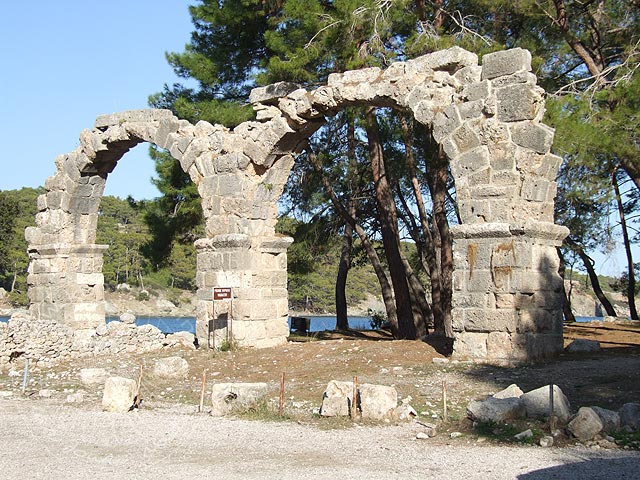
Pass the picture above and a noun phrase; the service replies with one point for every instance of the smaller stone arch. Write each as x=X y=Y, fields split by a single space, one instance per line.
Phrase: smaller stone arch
x=487 y=120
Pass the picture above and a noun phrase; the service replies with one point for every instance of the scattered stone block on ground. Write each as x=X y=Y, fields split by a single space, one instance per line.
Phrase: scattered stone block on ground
x=227 y=397
x=119 y=394
x=585 y=425
x=536 y=403
x=630 y=416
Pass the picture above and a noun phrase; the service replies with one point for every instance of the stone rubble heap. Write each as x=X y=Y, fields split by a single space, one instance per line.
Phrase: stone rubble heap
x=47 y=342
x=588 y=423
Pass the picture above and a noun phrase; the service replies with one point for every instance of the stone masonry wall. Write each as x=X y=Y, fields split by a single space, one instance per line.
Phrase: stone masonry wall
x=486 y=117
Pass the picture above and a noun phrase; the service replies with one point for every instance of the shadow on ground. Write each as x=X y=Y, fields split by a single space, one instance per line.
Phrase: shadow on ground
x=590 y=469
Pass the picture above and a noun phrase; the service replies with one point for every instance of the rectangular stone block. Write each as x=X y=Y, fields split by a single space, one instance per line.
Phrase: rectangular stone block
x=499 y=345
x=505 y=62
x=517 y=102
x=486 y=320
x=536 y=137
x=470 y=345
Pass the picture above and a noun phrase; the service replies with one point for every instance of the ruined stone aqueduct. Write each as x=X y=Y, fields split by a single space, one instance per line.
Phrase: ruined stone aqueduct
x=507 y=298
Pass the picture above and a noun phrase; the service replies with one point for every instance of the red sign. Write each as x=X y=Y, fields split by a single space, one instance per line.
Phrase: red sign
x=221 y=293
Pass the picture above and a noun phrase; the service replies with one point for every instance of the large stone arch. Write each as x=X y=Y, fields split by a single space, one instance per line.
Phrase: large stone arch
x=487 y=118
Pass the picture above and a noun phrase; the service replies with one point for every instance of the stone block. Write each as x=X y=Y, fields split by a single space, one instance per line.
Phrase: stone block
x=471 y=109
x=536 y=403
x=167 y=127
x=270 y=94
x=585 y=425
x=450 y=60
x=610 y=419
x=534 y=136
x=486 y=320
x=499 y=345
x=630 y=416
x=171 y=367
x=470 y=345
x=337 y=399
x=582 y=345
x=517 y=102
x=227 y=397
x=471 y=161
x=377 y=402
x=496 y=410
x=535 y=320
x=445 y=122
x=465 y=138
x=512 y=391
x=505 y=62
x=119 y=394
x=469 y=75
x=477 y=91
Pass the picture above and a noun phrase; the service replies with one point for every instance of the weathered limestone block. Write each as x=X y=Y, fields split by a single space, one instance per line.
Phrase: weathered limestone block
x=505 y=62
x=585 y=425
x=496 y=410
x=582 y=345
x=377 y=402
x=119 y=394
x=227 y=397
x=518 y=102
x=630 y=416
x=536 y=137
x=270 y=94
x=337 y=399
x=512 y=391
x=450 y=60
x=470 y=345
x=536 y=403
x=610 y=419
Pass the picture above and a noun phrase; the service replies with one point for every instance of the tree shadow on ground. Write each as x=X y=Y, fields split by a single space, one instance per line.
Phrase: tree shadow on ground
x=608 y=379
x=623 y=467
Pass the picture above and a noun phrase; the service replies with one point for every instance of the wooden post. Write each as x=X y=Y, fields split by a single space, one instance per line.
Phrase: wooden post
x=138 y=399
x=281 y=404
x=444 y=400
x=354 y=400
x=202 y=390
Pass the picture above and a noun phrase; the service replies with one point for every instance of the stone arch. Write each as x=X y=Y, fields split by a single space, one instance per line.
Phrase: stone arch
x=487 y=120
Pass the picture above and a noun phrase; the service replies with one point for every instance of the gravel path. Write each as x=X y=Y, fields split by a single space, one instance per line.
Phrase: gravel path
x=47 y=441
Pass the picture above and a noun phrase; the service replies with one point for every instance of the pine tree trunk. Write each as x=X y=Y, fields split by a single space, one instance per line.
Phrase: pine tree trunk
x=566 y=304
x=631 y=285
x=342 y=321
x=388 y=219
x=593 y=278
x=439 y=175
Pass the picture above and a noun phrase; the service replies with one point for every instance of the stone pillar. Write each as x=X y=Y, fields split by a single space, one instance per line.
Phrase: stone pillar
x=256 y=271
x=507 y=302
x=66 y=285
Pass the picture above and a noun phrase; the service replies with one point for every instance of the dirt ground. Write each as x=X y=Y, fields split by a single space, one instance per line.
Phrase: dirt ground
x=608 y=378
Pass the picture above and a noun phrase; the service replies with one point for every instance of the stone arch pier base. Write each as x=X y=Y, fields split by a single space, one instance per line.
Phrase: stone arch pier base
x=486 y=118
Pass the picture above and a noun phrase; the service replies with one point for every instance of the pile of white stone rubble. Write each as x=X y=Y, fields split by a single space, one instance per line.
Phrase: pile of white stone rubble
x=46 y=342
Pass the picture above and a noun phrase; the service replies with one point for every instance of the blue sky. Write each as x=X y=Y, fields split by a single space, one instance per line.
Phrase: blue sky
x=64 y=63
